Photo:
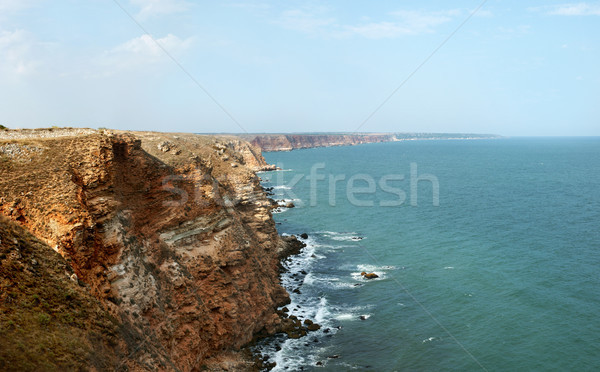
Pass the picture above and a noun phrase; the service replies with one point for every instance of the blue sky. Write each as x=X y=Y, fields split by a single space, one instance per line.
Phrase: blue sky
x=515 y=68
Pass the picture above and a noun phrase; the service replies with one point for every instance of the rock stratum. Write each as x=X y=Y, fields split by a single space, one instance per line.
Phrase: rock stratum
x=288 y=142
x=134 y=251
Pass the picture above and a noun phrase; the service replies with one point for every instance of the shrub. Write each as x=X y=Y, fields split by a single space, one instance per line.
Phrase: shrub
x=43 y=318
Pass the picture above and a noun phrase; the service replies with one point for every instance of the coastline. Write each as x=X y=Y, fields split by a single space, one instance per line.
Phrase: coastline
x=289 y=142
x=171 y=233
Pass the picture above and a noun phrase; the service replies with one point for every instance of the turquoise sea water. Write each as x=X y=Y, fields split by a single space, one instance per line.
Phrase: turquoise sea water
x=503 y=275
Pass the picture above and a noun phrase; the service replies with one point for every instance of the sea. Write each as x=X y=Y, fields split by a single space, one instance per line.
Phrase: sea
x=487 y=254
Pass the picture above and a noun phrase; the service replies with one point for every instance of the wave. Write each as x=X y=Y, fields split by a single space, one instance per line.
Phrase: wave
x=342 y=236
x=308 y=289
x=282 y=203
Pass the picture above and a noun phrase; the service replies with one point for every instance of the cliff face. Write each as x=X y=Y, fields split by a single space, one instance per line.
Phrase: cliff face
x=287 y=142
x=172 y=233
x=47 y=320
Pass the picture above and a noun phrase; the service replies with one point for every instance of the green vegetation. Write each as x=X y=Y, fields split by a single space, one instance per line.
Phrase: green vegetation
x=2 y=127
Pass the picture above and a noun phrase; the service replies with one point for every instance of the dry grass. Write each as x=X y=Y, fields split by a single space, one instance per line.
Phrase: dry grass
x=47 y=321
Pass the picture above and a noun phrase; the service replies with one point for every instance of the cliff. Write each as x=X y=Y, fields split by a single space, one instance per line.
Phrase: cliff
x=288 y=142
x=171 y=234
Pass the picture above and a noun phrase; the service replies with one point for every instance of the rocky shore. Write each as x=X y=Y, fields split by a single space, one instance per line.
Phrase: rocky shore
x=168 y=239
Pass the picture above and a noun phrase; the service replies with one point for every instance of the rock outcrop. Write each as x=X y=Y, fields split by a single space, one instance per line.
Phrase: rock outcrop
x=369 y=275
x=171 y=233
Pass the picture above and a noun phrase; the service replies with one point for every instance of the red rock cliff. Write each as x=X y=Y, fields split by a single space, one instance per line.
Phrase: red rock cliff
x=287 y=142
x=171 y=232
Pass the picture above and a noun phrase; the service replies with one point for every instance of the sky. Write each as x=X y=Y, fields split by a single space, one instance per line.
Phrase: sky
x=514 y=68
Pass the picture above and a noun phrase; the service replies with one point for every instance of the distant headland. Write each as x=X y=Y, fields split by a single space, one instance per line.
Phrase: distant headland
x=292 y=141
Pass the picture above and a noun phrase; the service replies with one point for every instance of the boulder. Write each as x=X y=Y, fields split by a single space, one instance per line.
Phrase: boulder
x=313 y=327
x=369 y=275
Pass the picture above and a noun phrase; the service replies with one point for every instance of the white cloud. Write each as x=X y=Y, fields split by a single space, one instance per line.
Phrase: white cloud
x=7 y=6
x=403 y=22
x=407 y=23
x=249 y=6
x=145 y=45
x=153 y=8
x=578 y=9
x=17 y=49
x=142 y=51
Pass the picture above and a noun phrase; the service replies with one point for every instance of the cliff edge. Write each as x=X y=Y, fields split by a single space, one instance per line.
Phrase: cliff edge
x=288 y=142
x=171 y=234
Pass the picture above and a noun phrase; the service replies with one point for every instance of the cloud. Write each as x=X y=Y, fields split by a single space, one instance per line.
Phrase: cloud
x=142 y=51
x=146 y=46
x=579 y=9
x=18 y=53
x=154 y=8
x=249 y=6
x=400 y=23
x=406 y=23
x=8 y=6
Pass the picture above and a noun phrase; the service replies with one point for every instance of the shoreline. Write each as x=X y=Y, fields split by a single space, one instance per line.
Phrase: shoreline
x=289 y=142
x=208 y=264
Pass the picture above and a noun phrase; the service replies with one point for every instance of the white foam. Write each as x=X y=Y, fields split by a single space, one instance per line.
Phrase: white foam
x=346 y=317
x=322 y=311
x=283 y=202
x=308 y=304
x=309 y=279
x=349 y=236
x=358 y=277
x=372 y=268
x=448 y=267
x=343 y=285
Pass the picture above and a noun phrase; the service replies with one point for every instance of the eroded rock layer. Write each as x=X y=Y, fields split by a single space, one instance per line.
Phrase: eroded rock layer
x=172 y=233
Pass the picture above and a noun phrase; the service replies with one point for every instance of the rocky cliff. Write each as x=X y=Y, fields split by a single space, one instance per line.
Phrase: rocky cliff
x=171 y=233
x=288 y=142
